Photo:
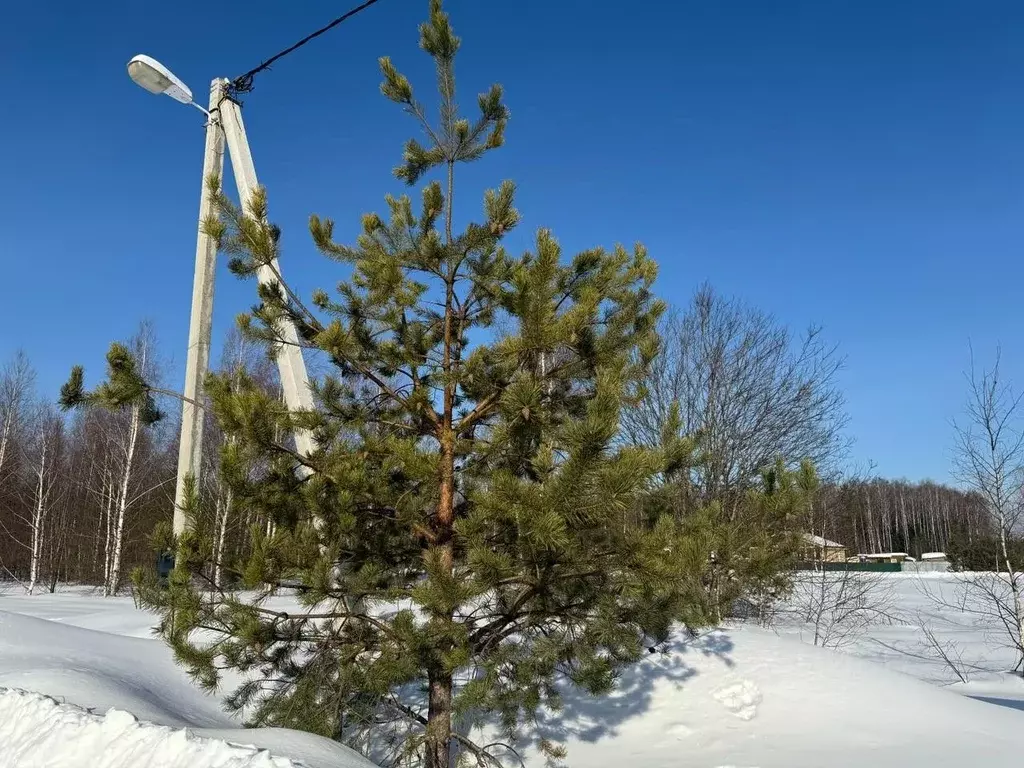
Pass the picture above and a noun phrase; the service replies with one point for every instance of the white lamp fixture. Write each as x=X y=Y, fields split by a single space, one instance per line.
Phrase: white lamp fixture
x=150 y=74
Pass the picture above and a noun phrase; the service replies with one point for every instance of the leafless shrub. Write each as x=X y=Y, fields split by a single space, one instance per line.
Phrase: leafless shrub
x=989 y=458
x=946 y=651
x=834 y=608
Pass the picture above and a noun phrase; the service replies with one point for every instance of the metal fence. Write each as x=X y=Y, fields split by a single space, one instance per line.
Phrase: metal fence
x=925 y=567
x=873 y=567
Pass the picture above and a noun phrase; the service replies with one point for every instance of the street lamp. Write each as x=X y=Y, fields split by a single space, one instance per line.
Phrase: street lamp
x=156 y=78
x=223 y=124
x=148 y=73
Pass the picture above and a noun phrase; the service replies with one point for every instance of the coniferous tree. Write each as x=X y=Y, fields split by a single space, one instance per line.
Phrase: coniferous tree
x=468 y=529
x=749 y=546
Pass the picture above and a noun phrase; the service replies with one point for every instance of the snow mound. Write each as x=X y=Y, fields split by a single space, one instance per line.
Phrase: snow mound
x=100 y=671
x=104 y=672
x=747 y=697
x=37 y=731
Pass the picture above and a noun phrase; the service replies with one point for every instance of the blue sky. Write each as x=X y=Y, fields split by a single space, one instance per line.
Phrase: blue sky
x=853 y=163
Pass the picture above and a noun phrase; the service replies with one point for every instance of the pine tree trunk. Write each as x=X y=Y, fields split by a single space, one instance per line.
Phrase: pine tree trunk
x=439 y=709
x=439 y=720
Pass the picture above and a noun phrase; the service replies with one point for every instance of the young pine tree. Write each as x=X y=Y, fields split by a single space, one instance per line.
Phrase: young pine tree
x=468 y=530
x=749 y=547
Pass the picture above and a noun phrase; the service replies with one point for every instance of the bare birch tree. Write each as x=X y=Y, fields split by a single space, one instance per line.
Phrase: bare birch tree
x=45 y=463
x=748 y=388
x=989 y=458
x=126 y=448
x=62 y=490
x=17 y=381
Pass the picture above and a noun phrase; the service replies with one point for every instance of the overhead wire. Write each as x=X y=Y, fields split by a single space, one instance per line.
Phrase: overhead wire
x=244 y=82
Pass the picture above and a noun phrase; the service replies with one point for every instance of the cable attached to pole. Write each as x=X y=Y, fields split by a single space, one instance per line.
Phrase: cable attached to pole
x=244 y=83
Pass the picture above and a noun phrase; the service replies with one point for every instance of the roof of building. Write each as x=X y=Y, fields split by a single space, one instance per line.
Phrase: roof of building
x=933 y=555
x=821 y=541
x=884 y=555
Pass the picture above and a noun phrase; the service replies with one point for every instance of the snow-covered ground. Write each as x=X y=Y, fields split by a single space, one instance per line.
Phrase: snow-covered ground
x=907 y=605
x=36 y=730
x=748 y=698
x=739 y=697
x=98 y=653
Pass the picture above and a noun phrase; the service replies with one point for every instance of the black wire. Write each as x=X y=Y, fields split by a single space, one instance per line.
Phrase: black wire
x=244 y=83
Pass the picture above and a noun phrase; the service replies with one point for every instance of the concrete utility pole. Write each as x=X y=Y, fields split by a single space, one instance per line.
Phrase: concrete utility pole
x=290 y=364
x=190 y=448
x=224 y=122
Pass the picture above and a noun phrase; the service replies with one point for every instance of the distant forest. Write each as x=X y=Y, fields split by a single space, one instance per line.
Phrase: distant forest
x=899 y=516
x=81 y=493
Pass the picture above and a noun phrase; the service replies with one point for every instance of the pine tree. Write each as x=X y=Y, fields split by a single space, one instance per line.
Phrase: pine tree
x=749 y=546
x=469 y=530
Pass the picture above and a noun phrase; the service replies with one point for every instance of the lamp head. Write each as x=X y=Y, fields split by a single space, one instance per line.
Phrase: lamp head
x=156 y=78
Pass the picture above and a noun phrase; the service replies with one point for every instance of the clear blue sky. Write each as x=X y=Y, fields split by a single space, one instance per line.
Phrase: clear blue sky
x=854 y=163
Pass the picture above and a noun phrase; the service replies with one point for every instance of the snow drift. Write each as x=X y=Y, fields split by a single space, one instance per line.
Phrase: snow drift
x=105 y=672
x=38 y=732
x=747 y=698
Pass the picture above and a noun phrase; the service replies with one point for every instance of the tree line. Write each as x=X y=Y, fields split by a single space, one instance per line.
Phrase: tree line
x=86 y=495
x=82 y=493
x=879 y=515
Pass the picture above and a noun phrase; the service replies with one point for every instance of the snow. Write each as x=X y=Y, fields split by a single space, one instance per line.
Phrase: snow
x=915 y=600
x=737 y=697
x=39 y=731
x=933 y=556
x=748 y=697
x=884 y=555
x=98 y=653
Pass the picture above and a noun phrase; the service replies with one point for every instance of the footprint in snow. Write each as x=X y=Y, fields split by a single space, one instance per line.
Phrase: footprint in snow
x=680 y=730
x=740 y=698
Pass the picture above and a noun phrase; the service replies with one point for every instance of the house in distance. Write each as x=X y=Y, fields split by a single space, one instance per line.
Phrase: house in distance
x=818 y=549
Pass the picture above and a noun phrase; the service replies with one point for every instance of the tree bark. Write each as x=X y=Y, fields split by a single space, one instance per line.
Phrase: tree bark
x=38 y=519
x=439 y=710
x=108 y=488
x=122 y=501
x=439 y=720
x=5 y=438
x=224 y=508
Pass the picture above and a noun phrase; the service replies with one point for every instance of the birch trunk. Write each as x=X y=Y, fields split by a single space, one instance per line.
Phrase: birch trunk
x=1015 y=591
x=122 y=500
x=38 y=519
x=108 y=490
x=224 y=503
x=5 y=439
